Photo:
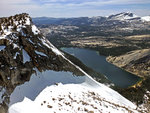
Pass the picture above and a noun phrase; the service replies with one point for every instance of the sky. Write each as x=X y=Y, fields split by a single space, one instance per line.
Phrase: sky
x=73 y=8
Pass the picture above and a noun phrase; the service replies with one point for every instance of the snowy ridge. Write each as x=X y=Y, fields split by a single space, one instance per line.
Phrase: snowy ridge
x=123 y=16
x=146 y=18
x=50 y=46
x=69 y=98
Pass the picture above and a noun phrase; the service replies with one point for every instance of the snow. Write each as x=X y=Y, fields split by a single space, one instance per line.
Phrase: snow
x=55 y=50
x=35 y=30
x=69 y=98
x=146 y=18
x=6 y=32
x=2 y=91
x=31 y=41
x=84 y=91
x=28 y=21
x=40 y=53
x=125 y=16
x=26 y=57
x=2 y=47
x=42 y=80
x=15 y=45
x=17 y=53
x=2 y=37
x=49 y=45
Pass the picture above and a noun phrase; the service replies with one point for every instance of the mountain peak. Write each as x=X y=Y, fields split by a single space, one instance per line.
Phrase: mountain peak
x=12 y=24
x=123 y=16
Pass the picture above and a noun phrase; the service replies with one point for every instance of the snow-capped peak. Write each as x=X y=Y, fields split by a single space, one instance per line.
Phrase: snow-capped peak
x=146 y=18
x=123 y=16
x=16 y=24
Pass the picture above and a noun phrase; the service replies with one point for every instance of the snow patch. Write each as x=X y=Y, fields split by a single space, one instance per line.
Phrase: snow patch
x=146 y=18
x=124 y=16
x=28 y=21
x=3 y=90
x=69 y=98
x=31 y=41
x=35 y=30
x=49 y=45
x=15 y=46
x=2 y=47
x=26 y=57
x=17 y=53
x=40 y=53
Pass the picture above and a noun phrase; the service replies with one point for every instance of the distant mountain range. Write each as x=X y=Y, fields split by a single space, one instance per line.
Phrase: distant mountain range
x=121 y=17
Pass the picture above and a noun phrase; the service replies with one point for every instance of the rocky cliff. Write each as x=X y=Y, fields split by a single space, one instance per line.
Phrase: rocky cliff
x=22 y=50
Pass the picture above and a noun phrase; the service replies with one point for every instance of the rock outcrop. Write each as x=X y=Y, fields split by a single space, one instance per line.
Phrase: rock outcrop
x=23 y=49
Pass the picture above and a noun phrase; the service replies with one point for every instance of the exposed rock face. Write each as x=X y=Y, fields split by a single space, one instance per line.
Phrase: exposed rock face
x=22 y=49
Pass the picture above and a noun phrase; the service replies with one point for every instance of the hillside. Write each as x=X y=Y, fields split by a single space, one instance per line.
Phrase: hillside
x=31 y=65
x=136 y=62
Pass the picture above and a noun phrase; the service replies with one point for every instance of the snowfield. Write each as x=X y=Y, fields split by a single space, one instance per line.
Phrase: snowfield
x=72 y=95
x=69 y=98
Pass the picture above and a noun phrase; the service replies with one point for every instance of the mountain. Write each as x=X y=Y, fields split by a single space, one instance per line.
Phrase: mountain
x=22 y=50
x=146 y=18
x=68 y=21
x=137 y=62
x=34 y=74
x=123 y=16
x=99 y=20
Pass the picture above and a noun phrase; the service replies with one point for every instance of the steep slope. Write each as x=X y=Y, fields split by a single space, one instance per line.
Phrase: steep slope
x=25 y=55
x=22 y=49
x=76 y=94
x=136 y=62
x=71 y=98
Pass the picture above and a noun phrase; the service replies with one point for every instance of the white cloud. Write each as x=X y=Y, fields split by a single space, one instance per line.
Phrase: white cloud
x=14 y=1
x=69 y=8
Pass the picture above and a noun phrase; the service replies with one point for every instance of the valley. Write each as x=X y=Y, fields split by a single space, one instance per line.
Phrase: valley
x=32 y=69
x=123 y=38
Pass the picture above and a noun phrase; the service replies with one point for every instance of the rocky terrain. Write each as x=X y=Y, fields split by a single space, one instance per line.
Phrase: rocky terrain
x=137 y=62
x=22 y=50
x=124 y=37
x=26 y=54
x=109 y=35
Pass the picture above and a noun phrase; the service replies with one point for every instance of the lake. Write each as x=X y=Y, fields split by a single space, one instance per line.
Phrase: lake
x=99 y=64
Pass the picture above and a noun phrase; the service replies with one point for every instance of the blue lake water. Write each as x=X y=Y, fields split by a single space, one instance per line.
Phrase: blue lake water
x=99 y=64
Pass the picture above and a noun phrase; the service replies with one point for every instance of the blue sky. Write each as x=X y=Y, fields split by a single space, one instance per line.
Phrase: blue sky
x=73 y=8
